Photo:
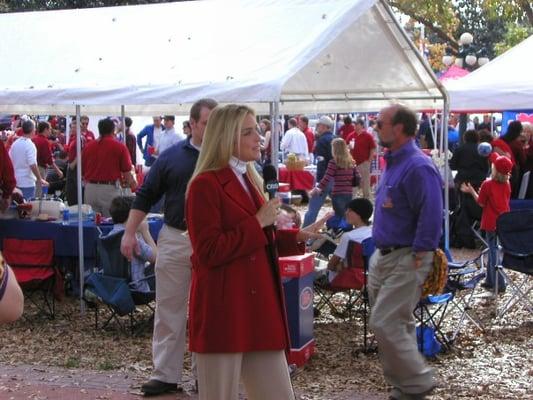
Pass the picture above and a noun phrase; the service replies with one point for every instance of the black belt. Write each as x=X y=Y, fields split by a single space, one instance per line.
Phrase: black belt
x=103 y=182
x=386 y=250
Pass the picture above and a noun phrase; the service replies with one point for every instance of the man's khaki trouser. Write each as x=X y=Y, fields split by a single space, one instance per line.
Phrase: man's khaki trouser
x=394 y=289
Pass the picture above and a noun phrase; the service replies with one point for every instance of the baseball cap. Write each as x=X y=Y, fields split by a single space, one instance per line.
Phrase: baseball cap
x=326 y=121
x=362 y=207
x=503 y=165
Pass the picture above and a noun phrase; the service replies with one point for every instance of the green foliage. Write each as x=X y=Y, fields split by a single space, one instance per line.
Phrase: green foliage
x=513 y=35
x=36 y=5
x=495 y=24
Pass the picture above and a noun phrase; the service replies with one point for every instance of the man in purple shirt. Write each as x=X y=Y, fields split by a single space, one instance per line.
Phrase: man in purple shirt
x=407 y=228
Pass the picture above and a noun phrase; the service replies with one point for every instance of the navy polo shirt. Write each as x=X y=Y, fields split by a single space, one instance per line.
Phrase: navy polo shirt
x=169 y=176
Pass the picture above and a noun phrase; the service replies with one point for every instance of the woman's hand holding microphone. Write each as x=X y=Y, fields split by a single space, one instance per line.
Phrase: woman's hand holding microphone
x=268 y=213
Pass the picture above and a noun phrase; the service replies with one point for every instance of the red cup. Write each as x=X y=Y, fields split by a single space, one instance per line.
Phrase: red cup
x=151 y=150
x=98 y=218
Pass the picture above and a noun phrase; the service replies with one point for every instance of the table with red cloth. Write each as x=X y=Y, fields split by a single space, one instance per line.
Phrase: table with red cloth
x=298 y=180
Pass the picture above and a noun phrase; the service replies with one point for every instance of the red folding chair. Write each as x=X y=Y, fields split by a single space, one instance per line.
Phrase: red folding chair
x=32 y=262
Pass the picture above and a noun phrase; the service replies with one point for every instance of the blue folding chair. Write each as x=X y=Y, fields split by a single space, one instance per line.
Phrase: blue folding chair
x=111 y=286
x=515 y=233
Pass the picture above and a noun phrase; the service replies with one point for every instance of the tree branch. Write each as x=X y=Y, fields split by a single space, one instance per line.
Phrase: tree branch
x=429 y=25
x=528 y=10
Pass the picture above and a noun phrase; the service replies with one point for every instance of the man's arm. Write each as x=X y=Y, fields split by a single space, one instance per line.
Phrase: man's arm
x=58 y=171
x=37 y=174
x=129 y=245
x=140 y=136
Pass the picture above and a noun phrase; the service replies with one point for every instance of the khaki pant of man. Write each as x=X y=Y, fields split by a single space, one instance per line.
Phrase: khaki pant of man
x=364 y=171
x=265 y=375
x=394 y=289
x=172 y=282
x=99 y=196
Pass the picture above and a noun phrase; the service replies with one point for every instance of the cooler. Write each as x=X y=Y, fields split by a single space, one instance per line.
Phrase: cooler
x=297 y=274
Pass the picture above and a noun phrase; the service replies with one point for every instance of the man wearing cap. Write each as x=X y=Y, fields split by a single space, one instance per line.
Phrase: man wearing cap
x=407 y=229
x=169 y=177
x=104 y=161
x=152 y=133
x=322 y=155
x=169 y=136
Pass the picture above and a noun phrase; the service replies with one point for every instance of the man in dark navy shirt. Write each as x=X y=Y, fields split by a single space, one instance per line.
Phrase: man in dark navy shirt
x=322 y=154
x=169 y=176
x=407 y=228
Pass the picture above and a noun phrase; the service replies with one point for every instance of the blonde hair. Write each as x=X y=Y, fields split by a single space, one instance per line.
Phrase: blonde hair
x=341 y=154
x=220 y=138
x=498 y=176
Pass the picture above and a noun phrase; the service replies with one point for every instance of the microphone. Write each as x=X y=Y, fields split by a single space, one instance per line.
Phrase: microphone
x=270 y=181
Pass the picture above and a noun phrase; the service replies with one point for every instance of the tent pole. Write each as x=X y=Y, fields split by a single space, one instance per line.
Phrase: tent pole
x=274 y=138
x=123 y=119
x=80 y=213
x=445 y=112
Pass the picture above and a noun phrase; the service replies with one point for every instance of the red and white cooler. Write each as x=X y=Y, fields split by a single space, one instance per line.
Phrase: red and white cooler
x=297 y=274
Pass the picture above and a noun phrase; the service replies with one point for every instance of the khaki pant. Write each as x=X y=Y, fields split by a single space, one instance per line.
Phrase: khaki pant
x=172 y=281
x=265 y=375
x=38 y=186
x=394 y=288
x=100 y=196
x=364 y=171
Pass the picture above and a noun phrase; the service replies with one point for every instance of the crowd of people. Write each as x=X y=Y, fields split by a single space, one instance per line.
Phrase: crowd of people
x=216 y=254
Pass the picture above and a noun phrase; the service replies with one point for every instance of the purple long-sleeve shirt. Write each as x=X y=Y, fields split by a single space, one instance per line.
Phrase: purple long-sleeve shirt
x=408 y=210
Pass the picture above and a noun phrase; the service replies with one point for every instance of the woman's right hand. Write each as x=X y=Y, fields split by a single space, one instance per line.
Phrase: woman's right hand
x=268 y=212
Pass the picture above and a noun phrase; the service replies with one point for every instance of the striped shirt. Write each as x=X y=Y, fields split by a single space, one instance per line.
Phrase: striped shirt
x=342 y=179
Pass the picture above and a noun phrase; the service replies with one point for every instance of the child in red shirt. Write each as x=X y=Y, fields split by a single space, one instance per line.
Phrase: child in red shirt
x=494 y=196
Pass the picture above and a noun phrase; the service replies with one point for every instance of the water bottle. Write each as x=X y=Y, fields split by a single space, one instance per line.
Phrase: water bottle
x=44 y=190
x=66 y=216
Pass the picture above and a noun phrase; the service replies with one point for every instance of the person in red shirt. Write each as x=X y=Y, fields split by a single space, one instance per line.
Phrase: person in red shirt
x=71 y=187
x=7 y=178
x=362 y=147
x=507 y=145
x=104 y=162
x=84 y=126
x=494 y=196
x=44 y=153
x=303 y=124
x=347 y=129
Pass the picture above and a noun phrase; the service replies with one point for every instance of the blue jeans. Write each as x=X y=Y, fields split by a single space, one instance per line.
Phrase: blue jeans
x=339 y=203
x=28 y=192
x=315 y=204
x=494 y=259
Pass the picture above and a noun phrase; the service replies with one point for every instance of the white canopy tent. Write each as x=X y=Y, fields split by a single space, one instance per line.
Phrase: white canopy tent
x=312 y=55
x=505 y=83
x=299 y=56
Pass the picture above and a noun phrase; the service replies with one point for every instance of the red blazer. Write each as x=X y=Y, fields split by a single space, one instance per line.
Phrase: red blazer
x=236 y=298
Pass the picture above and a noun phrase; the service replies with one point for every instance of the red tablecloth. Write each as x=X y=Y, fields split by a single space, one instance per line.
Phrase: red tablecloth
x=298 y=180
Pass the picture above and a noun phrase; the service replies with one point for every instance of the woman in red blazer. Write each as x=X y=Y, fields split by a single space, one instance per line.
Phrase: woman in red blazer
x=237 y=322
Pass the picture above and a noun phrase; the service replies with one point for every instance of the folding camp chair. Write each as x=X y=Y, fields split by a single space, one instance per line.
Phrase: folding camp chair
x=351 y=284
x=515 y=232
x=433 y=311
x=111 y=286
x=32 y=262
x=463 y=279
